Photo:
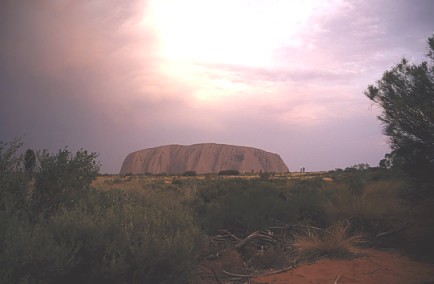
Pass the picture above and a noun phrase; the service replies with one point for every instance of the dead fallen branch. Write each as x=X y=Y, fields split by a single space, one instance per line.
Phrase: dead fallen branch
x=258 y=235
x=255 y=274
x=278 y=271
x=265 y=237
x=396 y=230
x=238 y=275
x=268 y=248
x=230 y=234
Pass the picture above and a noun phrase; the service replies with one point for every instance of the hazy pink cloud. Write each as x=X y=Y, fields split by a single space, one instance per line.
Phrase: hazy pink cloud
x=285 y=76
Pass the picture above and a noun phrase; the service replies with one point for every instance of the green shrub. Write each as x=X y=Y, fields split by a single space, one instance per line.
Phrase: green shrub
x=61 y=179
x=109 y=237
x=127 y=239
x=88 y=236
x=189 y=173
x=229 y=173
x=13 y=180
x=247 y=205
x=30 y=253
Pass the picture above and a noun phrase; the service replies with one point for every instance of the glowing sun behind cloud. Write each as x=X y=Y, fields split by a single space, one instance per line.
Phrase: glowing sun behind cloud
x=195 y=35
x=227 y=31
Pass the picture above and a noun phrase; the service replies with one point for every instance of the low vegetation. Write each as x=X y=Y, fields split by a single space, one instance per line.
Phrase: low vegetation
x=61 y=222
x=229 y=173
x=335 y=241
x=56 y=228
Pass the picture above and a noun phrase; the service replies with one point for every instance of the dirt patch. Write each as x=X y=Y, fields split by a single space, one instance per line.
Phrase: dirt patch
x=375 y=267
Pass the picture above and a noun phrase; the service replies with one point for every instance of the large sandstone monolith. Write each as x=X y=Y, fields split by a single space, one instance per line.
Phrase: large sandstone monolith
x=201 y=158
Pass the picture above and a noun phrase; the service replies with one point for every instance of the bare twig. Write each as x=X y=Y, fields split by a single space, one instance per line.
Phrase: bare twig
x=278 y=271
x=258 y=274
x=239 y=275
x=214 y=273
x=255 y=235
x=230 y=234
x=337 y=279
x=246 y=240
x=308 y=227
x=396 y=230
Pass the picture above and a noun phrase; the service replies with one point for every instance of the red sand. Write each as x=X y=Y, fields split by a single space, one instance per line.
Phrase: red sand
x=376 y=267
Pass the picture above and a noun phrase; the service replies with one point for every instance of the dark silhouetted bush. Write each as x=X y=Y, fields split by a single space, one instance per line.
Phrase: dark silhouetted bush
x=62 y=179
x=229 y=173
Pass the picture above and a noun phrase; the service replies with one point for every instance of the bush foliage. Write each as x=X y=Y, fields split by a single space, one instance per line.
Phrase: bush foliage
x=248 y=205
x=405 y=94
x=64 y=231
x=229 y=173
x=61 y=178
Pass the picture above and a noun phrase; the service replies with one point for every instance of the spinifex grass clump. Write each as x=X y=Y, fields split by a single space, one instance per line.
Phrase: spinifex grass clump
x=375 y=207
x=332 y=242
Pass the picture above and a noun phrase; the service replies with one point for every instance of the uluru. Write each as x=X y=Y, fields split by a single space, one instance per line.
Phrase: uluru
x=201 y=158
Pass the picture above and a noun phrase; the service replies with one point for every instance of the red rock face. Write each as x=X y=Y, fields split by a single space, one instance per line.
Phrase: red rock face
x=201 y=158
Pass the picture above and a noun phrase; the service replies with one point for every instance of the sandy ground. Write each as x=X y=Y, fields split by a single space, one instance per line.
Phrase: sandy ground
x=375 y=267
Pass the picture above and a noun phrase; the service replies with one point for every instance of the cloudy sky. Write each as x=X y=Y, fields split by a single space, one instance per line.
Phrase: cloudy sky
x=286 y=76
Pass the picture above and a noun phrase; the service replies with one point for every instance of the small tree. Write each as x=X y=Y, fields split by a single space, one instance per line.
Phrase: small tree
x=12 y=179
x=406 y=95
x=61 y=178
x=29 y=161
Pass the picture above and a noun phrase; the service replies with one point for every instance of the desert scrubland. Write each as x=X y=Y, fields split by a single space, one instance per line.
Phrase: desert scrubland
x=62 y=222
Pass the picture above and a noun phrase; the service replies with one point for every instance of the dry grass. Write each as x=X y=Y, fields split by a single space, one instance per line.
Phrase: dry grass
x=272 y=257
x=332 y=242
x=378 y=204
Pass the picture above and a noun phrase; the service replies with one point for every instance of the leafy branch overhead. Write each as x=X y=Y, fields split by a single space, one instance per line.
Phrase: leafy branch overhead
x=405 y=94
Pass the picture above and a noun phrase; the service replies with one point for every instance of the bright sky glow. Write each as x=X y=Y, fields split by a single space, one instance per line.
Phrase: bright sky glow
x=246 y=33
x=227 y=31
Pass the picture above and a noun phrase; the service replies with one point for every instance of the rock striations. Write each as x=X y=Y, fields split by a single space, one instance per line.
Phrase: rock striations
x=201 y=158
